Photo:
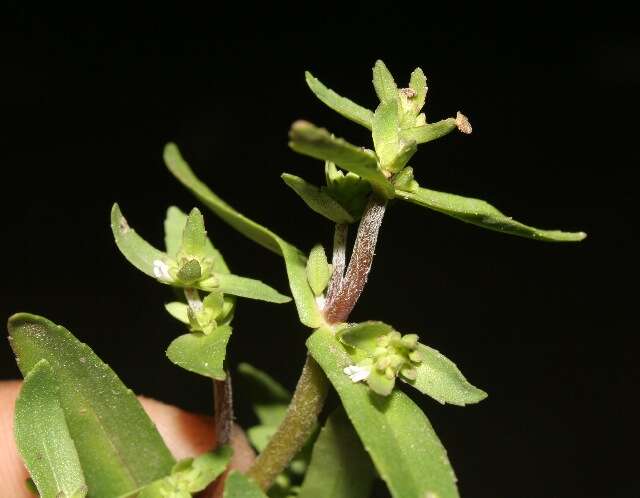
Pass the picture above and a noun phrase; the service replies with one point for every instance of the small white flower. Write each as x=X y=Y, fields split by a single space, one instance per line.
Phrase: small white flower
x=357 y=373
x=161 y=270
x=321 y=302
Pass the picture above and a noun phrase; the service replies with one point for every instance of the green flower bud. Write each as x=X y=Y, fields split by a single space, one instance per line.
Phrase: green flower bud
x=383 y=363
x=416 y=356
x=189 y=272
x=410 y=341
x=409 y=373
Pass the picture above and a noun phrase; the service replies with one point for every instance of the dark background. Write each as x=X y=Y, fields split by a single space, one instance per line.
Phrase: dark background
x=89 y=98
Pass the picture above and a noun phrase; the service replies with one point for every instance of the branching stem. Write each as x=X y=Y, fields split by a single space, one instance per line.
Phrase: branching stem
x=338 y=260
x=311 y=390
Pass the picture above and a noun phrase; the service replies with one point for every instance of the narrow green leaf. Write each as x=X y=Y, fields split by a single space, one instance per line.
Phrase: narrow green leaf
x=307 y=139
x=341 y=105
x=270 y=399
x=439 y=377
x=119 y=447
x=339 y=468
x=249 y=288
x=200 y=353
x=483 y=214
x=43 y=437
x=363 y=335
x=383 y=82
x=238 y=485
x=418 y=83
x=428 y=132
x=318 y=200
x=318 y=270
x=194 y=235
x=295 y=260
x=174 y=225
x=394 y=431
x=134 y=248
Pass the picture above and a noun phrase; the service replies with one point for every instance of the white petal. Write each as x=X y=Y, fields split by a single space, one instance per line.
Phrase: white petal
x=161 y=270
x=356 y=373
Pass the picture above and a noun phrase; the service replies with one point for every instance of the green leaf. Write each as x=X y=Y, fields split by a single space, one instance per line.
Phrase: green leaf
x=214 y=303
x=483 y=214
x=43 y=437
x=339 y=468
x=418 y=83
x=238 y=485
x=318 y=270
x=178 y=310
x=119 y=447
x=206 y=468
x=194 y=236
x=249 y=288
x=295 y=260
x=393 y=152
x=439 y=377
x=349 y=190
x=363 y=335
x=318 y=200
x=394 y=431
x=307 y=139
x=383 y=82
x=188 y=476
x=134 y=248
x=270 y=399
x=259 y=435
x=428 y=132
x=341 y=105
x=174 y=225
x=200 y=353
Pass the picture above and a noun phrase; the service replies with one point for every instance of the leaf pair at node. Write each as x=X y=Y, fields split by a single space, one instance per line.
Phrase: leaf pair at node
x=196 y=264
x=398 y=126
x=381 y=354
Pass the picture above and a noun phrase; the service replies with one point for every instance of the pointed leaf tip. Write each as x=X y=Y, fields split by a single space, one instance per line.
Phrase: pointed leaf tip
x=134 y=248
x=483 y=214
x=383 y=82
x=341 y=105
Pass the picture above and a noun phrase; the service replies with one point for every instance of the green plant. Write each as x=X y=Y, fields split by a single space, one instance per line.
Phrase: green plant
x=81 y=432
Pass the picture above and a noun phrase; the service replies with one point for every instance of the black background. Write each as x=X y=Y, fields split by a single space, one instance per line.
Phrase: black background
x=89 y=98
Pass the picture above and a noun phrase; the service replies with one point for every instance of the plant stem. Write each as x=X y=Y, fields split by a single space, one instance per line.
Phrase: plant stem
x=311 y=390
x=298 y=424
x=342 y=303
x=223 y=410
x=338 y=260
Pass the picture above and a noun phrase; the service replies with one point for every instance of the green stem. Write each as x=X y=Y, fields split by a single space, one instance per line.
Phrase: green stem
x=311 y=391
x=299 y=422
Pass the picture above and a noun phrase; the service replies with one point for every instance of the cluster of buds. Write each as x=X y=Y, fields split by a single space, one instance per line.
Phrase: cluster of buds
x=382 y=354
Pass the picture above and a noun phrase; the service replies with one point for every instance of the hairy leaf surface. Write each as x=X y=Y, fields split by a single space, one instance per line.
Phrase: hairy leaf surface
x=43 y=438
x=397 y=435
x=483 y=214
x=119 y=447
